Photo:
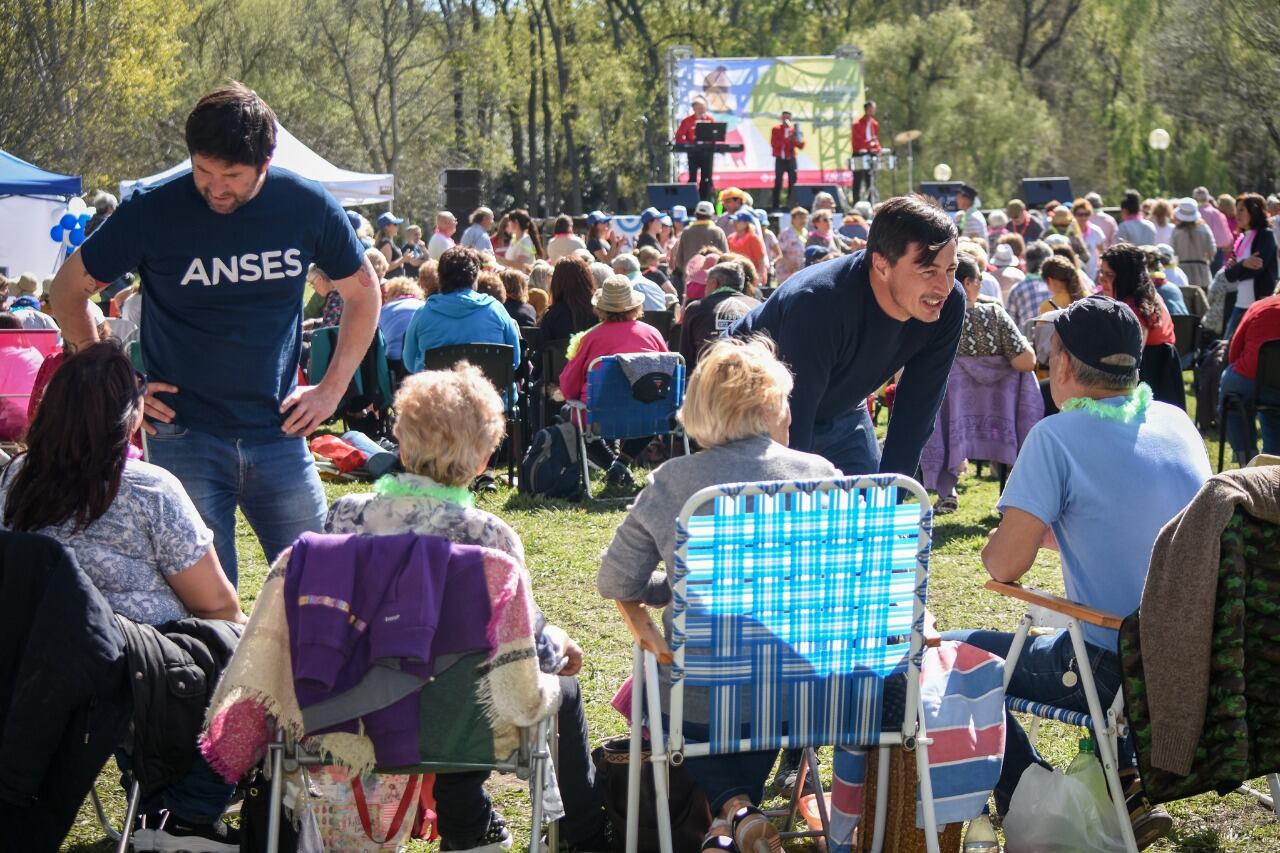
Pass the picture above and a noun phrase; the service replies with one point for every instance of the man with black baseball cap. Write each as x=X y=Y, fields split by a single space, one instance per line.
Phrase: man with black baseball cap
x=1096 y=482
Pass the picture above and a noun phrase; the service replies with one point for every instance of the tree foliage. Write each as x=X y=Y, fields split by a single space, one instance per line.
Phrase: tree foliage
x=562 y=103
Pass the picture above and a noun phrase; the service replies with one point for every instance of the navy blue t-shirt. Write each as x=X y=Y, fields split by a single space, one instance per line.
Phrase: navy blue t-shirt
x=222 y=293
x=841 y=346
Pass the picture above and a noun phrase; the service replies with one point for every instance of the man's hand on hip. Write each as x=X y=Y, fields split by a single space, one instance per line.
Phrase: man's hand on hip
x=308 y=407
x=153 y=409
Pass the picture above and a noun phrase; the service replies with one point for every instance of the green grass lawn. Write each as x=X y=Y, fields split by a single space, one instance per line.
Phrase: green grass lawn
x=563 y=543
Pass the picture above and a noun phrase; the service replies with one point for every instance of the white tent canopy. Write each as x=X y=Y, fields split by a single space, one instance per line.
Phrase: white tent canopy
x=349 y=188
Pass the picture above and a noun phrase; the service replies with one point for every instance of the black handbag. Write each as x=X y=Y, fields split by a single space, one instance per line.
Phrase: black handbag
x=690 y=815
x=254 y=813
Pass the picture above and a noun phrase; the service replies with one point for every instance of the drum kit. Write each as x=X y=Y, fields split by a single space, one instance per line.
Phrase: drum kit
x=887 y=162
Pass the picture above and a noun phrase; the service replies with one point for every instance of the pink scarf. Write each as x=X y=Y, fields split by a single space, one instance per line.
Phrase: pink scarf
x=1244 y=244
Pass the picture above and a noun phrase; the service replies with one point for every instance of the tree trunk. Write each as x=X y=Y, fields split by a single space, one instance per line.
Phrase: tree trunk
x=567 y=112
x=531 y=115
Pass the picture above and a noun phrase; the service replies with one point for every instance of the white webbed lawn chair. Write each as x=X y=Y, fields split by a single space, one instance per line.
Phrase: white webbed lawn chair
x=811 y=592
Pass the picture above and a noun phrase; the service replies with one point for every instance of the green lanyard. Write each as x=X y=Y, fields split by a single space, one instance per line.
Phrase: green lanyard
x=392 y=486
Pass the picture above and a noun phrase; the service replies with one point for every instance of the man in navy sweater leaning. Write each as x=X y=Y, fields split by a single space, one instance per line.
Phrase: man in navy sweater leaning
x=846 y=326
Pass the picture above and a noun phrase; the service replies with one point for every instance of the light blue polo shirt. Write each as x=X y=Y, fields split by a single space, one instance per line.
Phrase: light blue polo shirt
x=1106 y=488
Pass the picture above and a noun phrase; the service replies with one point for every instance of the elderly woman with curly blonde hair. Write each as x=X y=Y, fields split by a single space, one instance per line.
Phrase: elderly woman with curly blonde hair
x=736 y=407
x=448 y=423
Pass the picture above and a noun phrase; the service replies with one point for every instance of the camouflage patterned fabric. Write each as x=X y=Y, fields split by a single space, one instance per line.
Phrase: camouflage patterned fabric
x=1241 y=735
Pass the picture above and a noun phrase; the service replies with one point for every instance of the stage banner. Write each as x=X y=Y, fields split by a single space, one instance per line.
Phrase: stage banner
x=823 y=93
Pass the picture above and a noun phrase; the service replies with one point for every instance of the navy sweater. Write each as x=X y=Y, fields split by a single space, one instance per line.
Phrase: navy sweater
x=842 y=347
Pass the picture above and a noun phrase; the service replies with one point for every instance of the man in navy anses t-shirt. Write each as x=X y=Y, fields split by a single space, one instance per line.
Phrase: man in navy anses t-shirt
x=223 y=252
x=846 y=326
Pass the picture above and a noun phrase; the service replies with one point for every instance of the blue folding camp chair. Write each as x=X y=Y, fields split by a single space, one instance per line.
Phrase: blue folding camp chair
x=612 y=412
x=812 y=593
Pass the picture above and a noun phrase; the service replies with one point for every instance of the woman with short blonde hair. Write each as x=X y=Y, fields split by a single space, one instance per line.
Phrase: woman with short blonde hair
x=736 y=408
x=401 y=287
x=540 y=275
x=403 y=298
x=447 y=423
x=738 y=390
x=428 y=279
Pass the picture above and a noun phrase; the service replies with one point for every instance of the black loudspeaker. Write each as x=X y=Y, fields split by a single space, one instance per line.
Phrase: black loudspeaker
x=666 y=196
x=462 y=193
x=1037 y=192
x=802 y=195
x=943 y=192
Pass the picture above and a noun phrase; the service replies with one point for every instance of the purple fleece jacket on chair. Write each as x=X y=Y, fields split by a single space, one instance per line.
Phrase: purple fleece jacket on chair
x=372 y=619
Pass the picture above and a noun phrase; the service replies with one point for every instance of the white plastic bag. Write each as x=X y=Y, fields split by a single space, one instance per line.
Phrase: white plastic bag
x=1054 y=813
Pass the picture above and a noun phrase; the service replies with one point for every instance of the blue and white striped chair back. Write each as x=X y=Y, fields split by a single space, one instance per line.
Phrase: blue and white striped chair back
x=807 y=594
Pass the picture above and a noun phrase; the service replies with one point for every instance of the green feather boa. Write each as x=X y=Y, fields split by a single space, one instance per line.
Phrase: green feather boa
x=417 y=486
x=1134 y=405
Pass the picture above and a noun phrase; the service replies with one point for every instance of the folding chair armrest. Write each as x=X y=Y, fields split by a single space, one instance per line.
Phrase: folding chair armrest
x=1057 y=604
x=932 y=638
x=643 y=631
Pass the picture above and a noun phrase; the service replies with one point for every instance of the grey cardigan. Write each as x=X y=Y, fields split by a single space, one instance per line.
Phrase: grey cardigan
x=647 y=535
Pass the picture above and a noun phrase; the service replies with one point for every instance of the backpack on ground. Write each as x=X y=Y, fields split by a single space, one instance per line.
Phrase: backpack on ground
x=1208 y=375
x=552 y=468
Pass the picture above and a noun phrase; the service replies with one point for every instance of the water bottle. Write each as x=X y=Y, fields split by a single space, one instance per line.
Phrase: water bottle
x=1086 y=768
x=980 y=837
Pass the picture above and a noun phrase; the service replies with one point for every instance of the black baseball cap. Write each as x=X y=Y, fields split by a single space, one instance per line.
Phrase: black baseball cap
x=1098 y=328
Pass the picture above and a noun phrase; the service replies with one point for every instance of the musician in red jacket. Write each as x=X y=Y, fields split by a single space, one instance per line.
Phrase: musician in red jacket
x=866 y=140
x=786 y=140
x=700 y=162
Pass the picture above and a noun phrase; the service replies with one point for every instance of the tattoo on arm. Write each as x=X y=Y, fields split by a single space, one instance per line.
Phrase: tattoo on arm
x=365 y=275
x=88 y=284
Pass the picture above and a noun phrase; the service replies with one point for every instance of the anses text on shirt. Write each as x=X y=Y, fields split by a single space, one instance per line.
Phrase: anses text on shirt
x=267 y=266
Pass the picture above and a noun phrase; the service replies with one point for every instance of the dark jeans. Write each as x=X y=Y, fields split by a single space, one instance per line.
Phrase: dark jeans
x=1242 y=432
x=198 y=799
x=1050 y=407
x=783 y=166
x=464 y=806
x=722 y=777
x=1237 y=314
x=603 y=453
x=861 y=181
x=848 y=441
x=700 y=165
x=1039 y=677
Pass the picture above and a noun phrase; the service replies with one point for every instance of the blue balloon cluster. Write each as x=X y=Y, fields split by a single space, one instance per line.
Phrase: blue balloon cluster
x=71 y=227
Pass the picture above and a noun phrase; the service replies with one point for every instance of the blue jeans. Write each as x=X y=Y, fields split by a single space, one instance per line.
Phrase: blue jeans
x=723 y=777
x=1233 y=322
x=848 y=441
x=1039 y=677
x=197 y=799
x=1242 y=432
x=274 y=481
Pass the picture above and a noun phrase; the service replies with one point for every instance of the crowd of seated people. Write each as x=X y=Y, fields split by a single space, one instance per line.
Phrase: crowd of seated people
x=1095 y=482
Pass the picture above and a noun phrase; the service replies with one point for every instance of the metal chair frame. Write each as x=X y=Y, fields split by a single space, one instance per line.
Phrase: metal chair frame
x=529 y=763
